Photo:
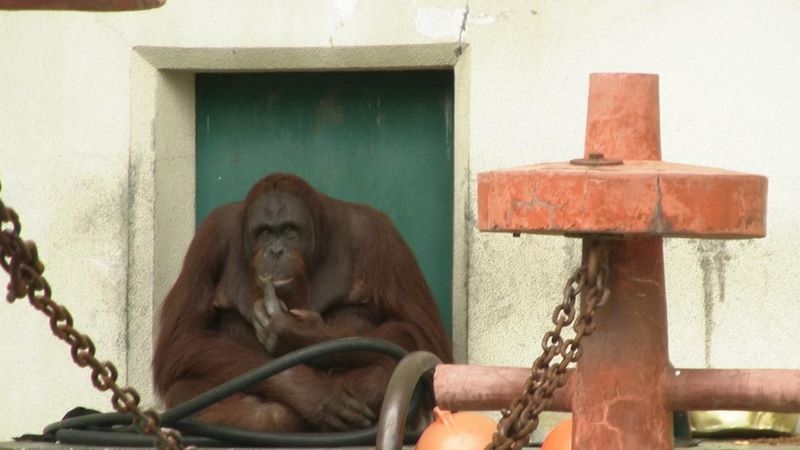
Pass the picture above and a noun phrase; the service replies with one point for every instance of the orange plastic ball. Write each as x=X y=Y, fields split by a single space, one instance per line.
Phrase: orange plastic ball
x=457 y=431
x=560 y=437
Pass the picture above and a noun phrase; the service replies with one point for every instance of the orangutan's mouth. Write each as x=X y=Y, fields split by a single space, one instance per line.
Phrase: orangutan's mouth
x=282 y=282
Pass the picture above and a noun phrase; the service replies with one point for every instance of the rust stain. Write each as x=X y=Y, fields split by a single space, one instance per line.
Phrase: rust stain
x=658 y=224
x=713 y=257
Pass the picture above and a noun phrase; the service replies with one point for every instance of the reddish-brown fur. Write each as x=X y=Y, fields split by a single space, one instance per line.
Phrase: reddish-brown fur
x=363 y=281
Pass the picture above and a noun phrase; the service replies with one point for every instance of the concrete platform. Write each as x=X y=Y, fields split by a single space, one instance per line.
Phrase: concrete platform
x=757 y=444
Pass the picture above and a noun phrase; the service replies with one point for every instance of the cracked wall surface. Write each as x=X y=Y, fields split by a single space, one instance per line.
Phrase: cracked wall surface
x=728 y=99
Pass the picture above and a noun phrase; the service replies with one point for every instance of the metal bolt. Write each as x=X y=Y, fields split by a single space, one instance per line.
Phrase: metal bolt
x=595 y=159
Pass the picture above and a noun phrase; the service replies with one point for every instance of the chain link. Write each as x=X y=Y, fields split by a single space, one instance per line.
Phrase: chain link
x=522 y=417
x=21 y=260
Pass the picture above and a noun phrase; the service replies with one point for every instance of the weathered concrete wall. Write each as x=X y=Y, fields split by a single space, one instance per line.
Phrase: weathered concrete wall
x=83 y=122
x=727 y=92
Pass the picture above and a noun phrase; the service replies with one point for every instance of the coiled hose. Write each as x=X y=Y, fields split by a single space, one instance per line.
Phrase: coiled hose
x=74 y=430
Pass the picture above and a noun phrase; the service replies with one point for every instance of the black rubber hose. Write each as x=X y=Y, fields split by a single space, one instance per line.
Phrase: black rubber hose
x=401 y=387
x=364 y=437
x=278 y=365
x=90 y=420
x=175 y=417
x=243 y=381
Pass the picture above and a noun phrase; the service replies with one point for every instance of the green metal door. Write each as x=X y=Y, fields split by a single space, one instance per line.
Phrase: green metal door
x=380 y=138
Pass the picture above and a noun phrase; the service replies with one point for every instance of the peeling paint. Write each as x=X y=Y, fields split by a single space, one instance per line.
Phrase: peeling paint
x=464 y=19
x=482 y=19
x=346 y=7
x=437 y=23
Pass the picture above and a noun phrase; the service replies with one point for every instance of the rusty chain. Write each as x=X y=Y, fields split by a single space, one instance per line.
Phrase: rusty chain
x=21 y=260
x=522 y=417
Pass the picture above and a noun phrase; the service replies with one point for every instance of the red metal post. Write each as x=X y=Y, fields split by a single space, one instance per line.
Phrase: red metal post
x=620 y=383
x=624 y=389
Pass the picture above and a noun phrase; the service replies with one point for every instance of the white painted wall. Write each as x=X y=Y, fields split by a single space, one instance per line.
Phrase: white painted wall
x=72 y=114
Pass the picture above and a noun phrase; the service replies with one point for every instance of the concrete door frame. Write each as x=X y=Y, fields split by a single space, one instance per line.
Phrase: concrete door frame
x=162 y=164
